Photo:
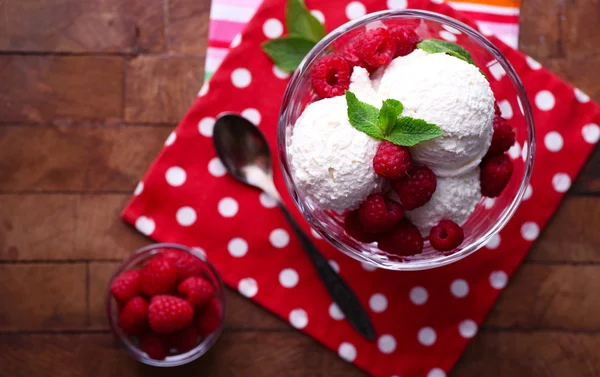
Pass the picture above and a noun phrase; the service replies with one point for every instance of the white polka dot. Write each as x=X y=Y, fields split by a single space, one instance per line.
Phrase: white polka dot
x=347 y=352
x=203 y=89
x=436 y=372
x=515 y=151
x=497 y=70
x=438 y=1
x=237 y=247
x=171 y=139
x=386 y=344
x=488 y=203
x=186 y=216
x=378 y=303
x=591 y=133
x=396 y=4
x=498 y=279
x=505 y=109
x=318 y=15
x=448 y=36
x=241 y=77
x=355 y=9
x=279 y=238
x=451 y=29
x=236 y=40
x=175 y=176
x=216 y=167
x=252 y=115
x=298 y=318
x=494 y=242
x=206 y=126
x=315 y=234
x=418 y=295
x=528 y=192
x=561 y=182
x=467 y=328
x=248 y=287
x=524 y=154
x=280 y=74
x=581 y=96
x=532 y=63
x=459 y=288
x=335 y=312
x=553 y=141
x=145 y=225
x=520 y=105
x=200 y=250
x=368 y=267
x=334 y=266
x=267 y=201
x=530 y=231
x=273 y=28
x=427 y=336
x=228 y=207
x=138 y=189
x=288 y=278
x=544 y=100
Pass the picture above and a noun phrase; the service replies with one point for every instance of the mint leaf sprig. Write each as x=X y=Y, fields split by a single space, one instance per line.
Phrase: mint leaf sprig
x=433 y=46
x=385 y=124
x=304 y=33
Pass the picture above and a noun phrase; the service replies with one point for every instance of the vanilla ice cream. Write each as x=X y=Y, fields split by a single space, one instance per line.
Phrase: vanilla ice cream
x=450 y=93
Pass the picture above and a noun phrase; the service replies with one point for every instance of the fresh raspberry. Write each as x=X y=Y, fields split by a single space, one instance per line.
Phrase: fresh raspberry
x=416 y=189
x=406 y=40
x=350 y=53
x=167 y=314
x=133 y=318
x=153 y=346
x=355 y=229
x=403 y=240
x=503 y=138
x=208 y=319
x=126 y=286
x=446 y=236
x=391 y=161
x=158 y=276
x=377 y=48
x=187 y=264
x=330 y=77
x=196 y=290
x=378 y=214
x=497 y=110
x=182 y=340
x=495 y=174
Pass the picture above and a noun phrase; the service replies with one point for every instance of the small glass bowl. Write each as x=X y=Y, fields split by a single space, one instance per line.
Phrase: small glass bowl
x=490 y=215
x=136 y=261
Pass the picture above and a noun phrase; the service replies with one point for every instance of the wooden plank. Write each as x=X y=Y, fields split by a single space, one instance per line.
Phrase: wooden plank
x=578 y=26
x=539 y=34
x=82 y=26
x=581 y=73
x=234 y=355
x=42 y=297
x=69 y=158
x=188 y=25
x=44 y=88
x=174 y=85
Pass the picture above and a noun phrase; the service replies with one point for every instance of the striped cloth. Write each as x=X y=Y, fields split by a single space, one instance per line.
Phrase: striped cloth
x=228 y=18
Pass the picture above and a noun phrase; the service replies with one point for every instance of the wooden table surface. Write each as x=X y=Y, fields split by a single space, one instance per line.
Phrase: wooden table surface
x=89 y=91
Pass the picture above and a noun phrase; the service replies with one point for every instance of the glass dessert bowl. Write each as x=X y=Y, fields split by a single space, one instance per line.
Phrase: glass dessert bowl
x=312 y=155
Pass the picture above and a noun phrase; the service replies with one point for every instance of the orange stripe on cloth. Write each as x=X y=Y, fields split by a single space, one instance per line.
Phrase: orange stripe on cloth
x=500 y=3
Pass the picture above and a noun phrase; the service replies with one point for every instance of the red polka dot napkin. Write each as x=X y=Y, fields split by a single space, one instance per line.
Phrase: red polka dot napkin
x=186 y=197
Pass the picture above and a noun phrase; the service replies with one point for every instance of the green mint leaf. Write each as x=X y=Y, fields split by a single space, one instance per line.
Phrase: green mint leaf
x=300 y=22
x=390 y=110
x=363 y=116
x=287 y=52
x=409 y=131
x=436 y=45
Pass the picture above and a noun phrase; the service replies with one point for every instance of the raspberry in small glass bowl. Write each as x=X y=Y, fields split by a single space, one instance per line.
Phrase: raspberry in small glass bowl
x=312 y=82
x=166 y=305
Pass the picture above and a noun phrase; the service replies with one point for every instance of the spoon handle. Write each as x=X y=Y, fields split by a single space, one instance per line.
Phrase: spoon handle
x=339 y=291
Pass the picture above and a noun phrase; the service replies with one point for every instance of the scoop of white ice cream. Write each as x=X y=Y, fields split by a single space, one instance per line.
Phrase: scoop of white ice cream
x=454 y=199
x=332 y=162
x=450 y=93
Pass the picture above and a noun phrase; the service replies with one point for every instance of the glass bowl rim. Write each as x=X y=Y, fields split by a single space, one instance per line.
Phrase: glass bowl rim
x=186 y=357
x=482 y=41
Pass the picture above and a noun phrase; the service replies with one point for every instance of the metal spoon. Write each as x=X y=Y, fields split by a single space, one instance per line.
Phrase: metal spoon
x=245 y=153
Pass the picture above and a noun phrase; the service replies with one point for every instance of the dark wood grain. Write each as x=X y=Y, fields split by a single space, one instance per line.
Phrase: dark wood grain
x=187 y=20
